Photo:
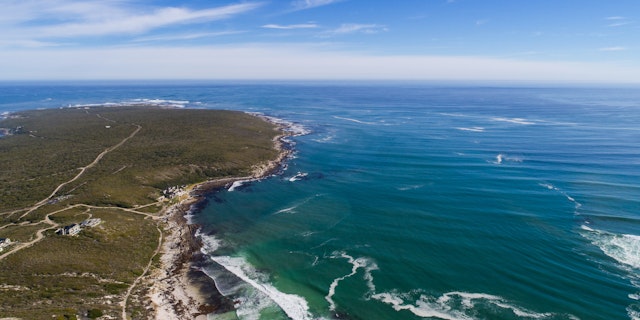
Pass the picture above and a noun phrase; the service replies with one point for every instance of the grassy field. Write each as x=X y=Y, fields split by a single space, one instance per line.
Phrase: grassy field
x=129 y=155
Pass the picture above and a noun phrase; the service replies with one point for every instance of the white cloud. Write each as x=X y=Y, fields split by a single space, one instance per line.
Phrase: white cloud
x=26 y=43
x=619 y=24
x=613 y=49
x=291 y=26
x=358 y=28
x=16 y=12
x=308 y=4
x=186 y=36
x=290 y=62
x=618 y=21
x=144 y=22
x=47 y=21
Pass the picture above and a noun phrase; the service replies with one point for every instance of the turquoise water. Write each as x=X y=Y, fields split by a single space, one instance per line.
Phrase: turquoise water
x=420 y=201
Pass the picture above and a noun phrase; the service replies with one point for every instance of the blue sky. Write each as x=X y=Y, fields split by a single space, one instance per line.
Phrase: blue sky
x=497 y=40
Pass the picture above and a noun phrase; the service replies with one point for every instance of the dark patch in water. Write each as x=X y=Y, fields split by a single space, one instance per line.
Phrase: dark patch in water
x=215 y=302
x=217 y=199
x=199 y=205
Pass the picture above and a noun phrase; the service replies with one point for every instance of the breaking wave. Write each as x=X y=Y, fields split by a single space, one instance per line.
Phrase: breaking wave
x=355 y=120
x=237 y=184
x=500 y=158
x=625 y=249
x=249 y=287
x=296 y=205
x=295 y=129
x=566 y=195
x=513 y=120
x=472 y=129
x=458 y=305
x=293 y=305
x=139 y=102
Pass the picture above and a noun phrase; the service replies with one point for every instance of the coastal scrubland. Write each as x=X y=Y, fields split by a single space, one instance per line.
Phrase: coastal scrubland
x=123 y=165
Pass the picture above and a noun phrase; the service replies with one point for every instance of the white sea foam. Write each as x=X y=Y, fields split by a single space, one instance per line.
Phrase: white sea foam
x=137 y=102
x=325 y=139
x=633 y=312
x=297 y=204
x=472 y=129
x=293 y=305
x=299 y=176
x=566 y=195
x=295 y=129
x=422 y=308
x=513 y=120
x=453 y=305
x=285 y=210
x=411 y=187
x=624 y=248
x=585 y=228
x=237 y=184
x=355 y=120
x=359 y=263
x=461 y=115
x=209 y=243
x=160 y=102
x=500 y=158
x=307 y=233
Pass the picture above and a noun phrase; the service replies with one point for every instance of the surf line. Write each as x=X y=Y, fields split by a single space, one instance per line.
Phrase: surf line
x=355 y=120
x=356 y=264
x=293 y=305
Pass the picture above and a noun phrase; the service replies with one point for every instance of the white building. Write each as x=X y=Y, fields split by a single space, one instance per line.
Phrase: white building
x=4 y=242
x=70 y=230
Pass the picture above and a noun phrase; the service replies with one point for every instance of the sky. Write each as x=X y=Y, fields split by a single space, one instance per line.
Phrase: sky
x=452 y=40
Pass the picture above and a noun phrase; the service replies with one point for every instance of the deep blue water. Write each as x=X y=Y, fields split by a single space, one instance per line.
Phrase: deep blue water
x=417 y=201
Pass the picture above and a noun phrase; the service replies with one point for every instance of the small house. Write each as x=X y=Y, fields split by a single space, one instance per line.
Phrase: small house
x=70 y=230
x=90 y=222
x=4 y=242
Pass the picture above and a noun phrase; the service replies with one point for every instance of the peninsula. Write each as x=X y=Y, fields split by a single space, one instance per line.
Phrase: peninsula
x=92 y=204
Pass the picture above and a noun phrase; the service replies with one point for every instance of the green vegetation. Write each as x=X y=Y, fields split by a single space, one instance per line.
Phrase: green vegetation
x=112 y=164
x=174 y=147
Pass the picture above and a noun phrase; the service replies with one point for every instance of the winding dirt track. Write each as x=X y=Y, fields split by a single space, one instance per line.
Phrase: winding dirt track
x=82 y=171
x=144 y=273
x=47 y=220
x=52 y=224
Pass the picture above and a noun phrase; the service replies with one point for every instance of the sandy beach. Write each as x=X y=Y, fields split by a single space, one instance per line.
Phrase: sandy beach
x=179 y=289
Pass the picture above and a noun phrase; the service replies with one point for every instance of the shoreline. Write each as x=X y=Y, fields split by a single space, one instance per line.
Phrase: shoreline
x=179 y=289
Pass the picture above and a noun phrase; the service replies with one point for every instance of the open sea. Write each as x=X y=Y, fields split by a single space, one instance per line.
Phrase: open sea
x=418 y=201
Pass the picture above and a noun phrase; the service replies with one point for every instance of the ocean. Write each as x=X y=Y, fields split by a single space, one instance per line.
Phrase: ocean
x=417 y=200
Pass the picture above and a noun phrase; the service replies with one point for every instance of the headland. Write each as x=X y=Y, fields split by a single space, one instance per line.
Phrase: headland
x=137 y=169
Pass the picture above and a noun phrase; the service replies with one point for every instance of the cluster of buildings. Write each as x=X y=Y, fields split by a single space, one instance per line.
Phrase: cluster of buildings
x=172 y=192
x=73 y=229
